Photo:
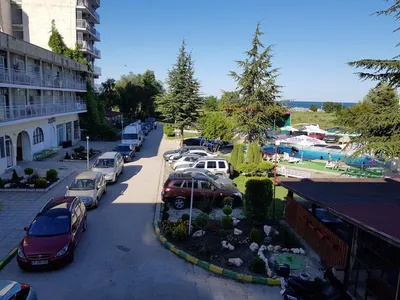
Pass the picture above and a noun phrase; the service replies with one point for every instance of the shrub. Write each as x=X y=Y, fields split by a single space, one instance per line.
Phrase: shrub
x=2 y=183
x=185 y=217
x=249 y=168
x=201 y=220
x=67 y=156
x=41 y=183
x=168 y=227
x=165 y=216
x=51 y=175
x=254 y=235
x=228 y=201
x=227 y=222
x=237 y=156
x=169 y=130
x=14 y=176
x=212 y=226
x=165 y=207
x=28 y=171
x=227 y=210
x=265 y=166
x=180 y=233
x=79 y=149
x=258 y=197
x=257 y=265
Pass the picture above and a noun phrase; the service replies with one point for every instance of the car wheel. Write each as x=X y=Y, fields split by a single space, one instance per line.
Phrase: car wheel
x=85 y=224
x=96 y=203
x=138 y=149
x=72 y=255
x=179 y=203
x=23 y=268
x=122 y=171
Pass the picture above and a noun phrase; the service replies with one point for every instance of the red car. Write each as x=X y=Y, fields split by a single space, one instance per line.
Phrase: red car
x=51 y=238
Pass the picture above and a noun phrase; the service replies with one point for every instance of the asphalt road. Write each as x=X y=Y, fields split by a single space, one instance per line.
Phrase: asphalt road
x=119 y=256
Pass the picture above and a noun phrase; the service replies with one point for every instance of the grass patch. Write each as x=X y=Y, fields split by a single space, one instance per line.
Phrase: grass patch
x=325 y=120
x=311 y=165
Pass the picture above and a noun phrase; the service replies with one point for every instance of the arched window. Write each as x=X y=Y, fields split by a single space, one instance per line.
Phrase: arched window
x=38 y=136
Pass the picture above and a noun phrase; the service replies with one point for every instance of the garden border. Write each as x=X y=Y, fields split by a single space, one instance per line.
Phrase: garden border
x=203 y=264
x=82 y=160
x=6 y=259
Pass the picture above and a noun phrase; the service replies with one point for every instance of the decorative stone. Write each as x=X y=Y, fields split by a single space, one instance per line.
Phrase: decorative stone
x=254 y=247
x=24 y=180
x=277 y=248
x=235 y=221
x=237 y=231
x=31 y=185
x=7 y=185
x=285 y=250
x=261 y=255
x=270 y=248
x=235 y=261
x=26 y=177
x=267 y=230
x=198 y=233
x=227 y=245
x=298 y=251
x=302 y=252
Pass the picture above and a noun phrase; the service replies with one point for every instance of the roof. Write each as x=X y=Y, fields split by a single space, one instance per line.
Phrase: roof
x=371 y=204
x=110 y=114
x=212 y=158
x=87 y=175
x=107 y=155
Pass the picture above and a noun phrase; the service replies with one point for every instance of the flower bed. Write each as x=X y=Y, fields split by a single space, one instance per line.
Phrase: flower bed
x=30 y=181
x=80 y=153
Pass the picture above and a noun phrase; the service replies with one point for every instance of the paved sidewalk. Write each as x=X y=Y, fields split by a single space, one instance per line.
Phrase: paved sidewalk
x=18 y=211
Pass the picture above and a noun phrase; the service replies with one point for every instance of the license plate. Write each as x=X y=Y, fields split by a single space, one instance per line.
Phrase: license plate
x=40 y=262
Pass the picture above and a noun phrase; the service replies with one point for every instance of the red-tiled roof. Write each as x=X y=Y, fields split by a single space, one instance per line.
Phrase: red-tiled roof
x=373 y=204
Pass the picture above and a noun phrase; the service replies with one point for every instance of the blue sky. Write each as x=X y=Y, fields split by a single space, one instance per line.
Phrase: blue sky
x=313 y=41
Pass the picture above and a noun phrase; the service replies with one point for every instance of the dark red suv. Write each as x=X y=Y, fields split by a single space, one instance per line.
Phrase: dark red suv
x=51 y=238
x=178 y=187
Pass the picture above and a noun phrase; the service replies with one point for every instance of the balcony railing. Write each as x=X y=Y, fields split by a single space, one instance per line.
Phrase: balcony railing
x=20 y=112
x=10 y=76
x=97 y=70
x=97 y=52
x=85 y=3
x=81 y=23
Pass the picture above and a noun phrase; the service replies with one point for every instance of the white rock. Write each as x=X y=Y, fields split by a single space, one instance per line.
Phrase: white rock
x=226 y=245
x=235 y=221
x=24 y=180
x=199 y=233
x=237 y=231
x=231 y=247
x=277 y=248
x=267 y=230
x=26 y=177
x=7 y=185
x=285 y=250
x=235 y=261
x=276 y=232
x=270 y=248
x=253 y=247
x=302 y=251
x=295 y=250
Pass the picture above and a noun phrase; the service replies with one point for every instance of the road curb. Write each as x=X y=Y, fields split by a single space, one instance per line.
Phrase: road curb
x=6 y=259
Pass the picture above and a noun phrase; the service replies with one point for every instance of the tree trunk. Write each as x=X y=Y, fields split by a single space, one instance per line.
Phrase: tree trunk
x=182 y=137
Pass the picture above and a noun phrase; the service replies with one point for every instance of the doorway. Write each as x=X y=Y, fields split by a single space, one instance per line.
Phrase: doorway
x=9 y=152
x=69 y=131
x=23 y=146
x=60 y=134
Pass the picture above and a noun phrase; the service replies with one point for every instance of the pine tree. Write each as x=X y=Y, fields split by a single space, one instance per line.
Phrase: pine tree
x=257 y=89
x=181 y=103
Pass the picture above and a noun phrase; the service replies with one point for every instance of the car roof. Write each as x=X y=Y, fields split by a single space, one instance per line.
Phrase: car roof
x=6 y=286
x=185 y=176
x=61 y=203
x=212 y=158
x=87 y=175
x=188 y=170
x=108 y=155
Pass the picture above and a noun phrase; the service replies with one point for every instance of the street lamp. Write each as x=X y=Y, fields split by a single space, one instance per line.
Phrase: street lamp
x=87 y=151
x=122 y=122
x=277 y=143
x=191 y=204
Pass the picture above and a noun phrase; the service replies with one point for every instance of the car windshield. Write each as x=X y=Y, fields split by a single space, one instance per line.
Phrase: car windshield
x=129 y=136
x=50 y=225
x=123 y=148
x=211 y=175
x=82 y=185
x=104 y=163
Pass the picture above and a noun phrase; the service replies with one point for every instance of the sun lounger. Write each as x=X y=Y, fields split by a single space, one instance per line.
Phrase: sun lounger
x=330 y=165
x=342 y=166
x=290 y=159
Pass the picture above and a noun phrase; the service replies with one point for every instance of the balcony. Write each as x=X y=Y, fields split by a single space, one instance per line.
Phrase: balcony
x=97 y=52
x=22 y=112
x=85 y=26
x=84 y=4
x=85 y=46
x=34 y=79
x=97 y=70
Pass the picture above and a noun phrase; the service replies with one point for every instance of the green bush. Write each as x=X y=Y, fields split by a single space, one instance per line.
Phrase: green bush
x=2 y=183
x=228 y=201
x=165 y=216
x=79 y=149
x=227 y=210
x=169 y=130
x=180 y=233
x=254 y=235
x=257 y=265
x=237 y=156
x=253 y=154
x=185 y=217
x=201 y=220
x=258 y=197
x=227 y=222
x=41 y=183
x=51 y=175
x=265 y=166
x=250 y=168
x=28 y=171
x=15 y=177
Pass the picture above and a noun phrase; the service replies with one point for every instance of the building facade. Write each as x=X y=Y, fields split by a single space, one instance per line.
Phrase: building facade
x=76 y=21
x=40 y=99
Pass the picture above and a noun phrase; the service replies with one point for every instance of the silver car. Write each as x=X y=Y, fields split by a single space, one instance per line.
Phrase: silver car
x=11 y=290
x=111 y=164
x=222 y=180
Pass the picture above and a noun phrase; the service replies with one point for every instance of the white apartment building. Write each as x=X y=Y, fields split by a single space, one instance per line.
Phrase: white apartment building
x=75 y=20
x=40 y=99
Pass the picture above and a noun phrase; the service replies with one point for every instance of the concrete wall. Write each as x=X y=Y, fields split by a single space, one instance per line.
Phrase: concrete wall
x=5 y=17
x=38 y=15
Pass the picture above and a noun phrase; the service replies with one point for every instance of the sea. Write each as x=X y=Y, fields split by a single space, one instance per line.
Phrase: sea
x=307 y=104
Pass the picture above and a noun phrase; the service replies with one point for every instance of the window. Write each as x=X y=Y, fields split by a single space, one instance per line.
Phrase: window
x=189 y=184
x=38 y=136
x=200 y=153
x=177 y=183
x=200 y=165
x=221 y=165
x=2 y=154
x=76 y=129
x=211 y=165
x=78 y=212
x=205 y=185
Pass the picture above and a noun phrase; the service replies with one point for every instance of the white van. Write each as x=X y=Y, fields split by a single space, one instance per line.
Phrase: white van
x=133 y=135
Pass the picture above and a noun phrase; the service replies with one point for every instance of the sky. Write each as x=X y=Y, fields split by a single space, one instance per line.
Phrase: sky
x=313 y=41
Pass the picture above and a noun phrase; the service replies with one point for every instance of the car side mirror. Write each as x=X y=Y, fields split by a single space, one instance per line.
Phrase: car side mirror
x=26 y=228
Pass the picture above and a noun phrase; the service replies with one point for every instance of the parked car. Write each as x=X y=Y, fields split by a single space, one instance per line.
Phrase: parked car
x=127 y=151
x=12 y=290
x=199 y=152
x=89 y=187
x=133 y=135
x=145 y=128
x=199 y=141
x=111 y=164
x=179 y=151
x=216 y=178
x=184 y=161
x=178 y=187
x=217 y=165
x=330 y=138
x=51 y=238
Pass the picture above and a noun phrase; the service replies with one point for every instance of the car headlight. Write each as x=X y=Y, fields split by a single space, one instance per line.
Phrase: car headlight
x=86 y=199
x=110 y=174
x=21 y=254
x=62 y=251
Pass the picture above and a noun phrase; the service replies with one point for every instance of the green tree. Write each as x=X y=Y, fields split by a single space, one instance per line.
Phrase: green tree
x=216 y=125
x=257 y=89
x=211 y=103
x=313 y=107
x=229 y=100
x=254 y=154
x=331 y=107
x=181 y=103
x=108 y=94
